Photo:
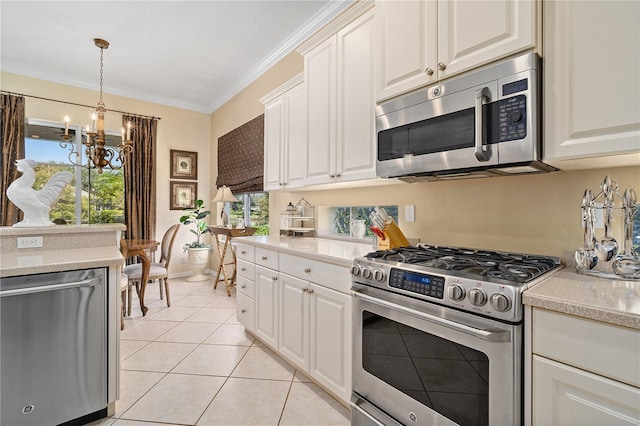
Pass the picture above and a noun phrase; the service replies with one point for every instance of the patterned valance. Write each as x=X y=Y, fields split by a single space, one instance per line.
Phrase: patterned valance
x=241 y=157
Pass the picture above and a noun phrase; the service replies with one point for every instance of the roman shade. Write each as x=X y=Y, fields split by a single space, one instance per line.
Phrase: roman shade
x=241 y=157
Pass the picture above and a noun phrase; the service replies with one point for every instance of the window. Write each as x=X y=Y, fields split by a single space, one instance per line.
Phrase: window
x=253 y=208
x=341 y=218
x=90 y=197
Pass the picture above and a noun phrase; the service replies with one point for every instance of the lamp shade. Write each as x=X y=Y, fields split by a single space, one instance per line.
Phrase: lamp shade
x=224 y=194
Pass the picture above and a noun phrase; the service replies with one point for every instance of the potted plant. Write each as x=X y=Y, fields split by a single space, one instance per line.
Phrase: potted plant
x=198 y=251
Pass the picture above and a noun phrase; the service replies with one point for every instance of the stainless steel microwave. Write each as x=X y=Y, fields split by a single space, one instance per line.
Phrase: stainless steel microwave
x=481 y=124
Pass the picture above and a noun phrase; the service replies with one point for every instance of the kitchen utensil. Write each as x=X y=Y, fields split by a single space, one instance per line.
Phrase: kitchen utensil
x=586 y=256
x=378 y=233
x=607 y=247
x=627 y=265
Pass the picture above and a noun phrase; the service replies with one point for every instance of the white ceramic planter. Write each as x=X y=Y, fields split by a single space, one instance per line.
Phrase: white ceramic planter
x=198 y=259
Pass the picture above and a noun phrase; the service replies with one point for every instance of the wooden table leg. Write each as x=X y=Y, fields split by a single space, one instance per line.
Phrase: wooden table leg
x=146 y=266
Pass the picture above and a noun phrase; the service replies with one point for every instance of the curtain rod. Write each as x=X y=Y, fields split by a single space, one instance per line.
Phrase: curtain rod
x=80 y=105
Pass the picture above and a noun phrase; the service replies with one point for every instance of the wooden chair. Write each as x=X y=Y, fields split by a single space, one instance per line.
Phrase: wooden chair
x=158 y=271
x=124 y=285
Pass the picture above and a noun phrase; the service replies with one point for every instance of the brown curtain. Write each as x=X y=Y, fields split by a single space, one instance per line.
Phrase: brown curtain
x=12 y=130
x=241 y=157
x=140 y=178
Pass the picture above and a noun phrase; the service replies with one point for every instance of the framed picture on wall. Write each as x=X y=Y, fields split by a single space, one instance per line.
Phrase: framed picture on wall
x=183 y=195
x=184 y=165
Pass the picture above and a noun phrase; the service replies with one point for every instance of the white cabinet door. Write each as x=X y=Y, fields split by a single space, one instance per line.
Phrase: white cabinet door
x=245 y=311
x=330 y=344
x=294 y=320
x=355 y=151
x=584 y=40
x=563 y=395
x=296 y=137
x=266 y=301
x=407 y=46
x=273 y=137
x=421 y=42
x=473 y=33
x=320 y=78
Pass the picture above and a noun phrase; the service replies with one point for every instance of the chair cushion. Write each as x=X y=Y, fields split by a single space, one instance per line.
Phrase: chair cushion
x=124 y=282
x=134 y=272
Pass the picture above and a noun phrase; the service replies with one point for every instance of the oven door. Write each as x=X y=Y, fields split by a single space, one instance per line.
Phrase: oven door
x=424 y=364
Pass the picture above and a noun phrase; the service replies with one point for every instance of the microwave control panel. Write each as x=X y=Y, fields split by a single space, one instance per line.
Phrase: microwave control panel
x=512 y=118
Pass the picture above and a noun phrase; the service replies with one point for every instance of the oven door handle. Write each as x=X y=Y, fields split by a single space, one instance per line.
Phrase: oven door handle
x=369 y=411
x=488 y=335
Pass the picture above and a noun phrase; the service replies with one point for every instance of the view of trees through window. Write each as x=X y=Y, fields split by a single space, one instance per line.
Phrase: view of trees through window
x=342 y=217
x=90 y=197
x=254 y=209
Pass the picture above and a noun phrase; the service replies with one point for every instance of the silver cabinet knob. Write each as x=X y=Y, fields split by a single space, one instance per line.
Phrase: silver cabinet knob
x=243 y=286
x=264 y=257
x=243 y=252
x=441 y=66
x=332 y=176
x=307 y=270
x=274 y=279
x=338 y=175
x=243 y=269
x=310 y=291
x=243 y=311
x=429 y=71
x=304 y=290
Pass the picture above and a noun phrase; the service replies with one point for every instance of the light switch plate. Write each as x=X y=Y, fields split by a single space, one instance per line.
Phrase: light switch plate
x=410 y=213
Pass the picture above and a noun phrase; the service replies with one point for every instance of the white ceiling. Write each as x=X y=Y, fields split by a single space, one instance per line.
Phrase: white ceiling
x=188 y=54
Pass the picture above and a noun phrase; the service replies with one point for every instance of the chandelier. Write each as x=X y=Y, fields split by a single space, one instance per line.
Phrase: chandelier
x=99 y=157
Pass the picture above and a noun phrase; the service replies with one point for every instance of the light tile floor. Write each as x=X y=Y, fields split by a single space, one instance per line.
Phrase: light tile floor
x=193 y=364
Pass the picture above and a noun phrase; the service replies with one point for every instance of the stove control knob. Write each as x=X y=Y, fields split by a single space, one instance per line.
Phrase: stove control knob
x=477 y=297
x=500 y=302
x=378 y=275
x=456 y=292
x=355 y=270
x=366 y=273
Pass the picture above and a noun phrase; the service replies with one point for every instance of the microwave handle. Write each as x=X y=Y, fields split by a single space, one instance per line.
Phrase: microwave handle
x=483 y=152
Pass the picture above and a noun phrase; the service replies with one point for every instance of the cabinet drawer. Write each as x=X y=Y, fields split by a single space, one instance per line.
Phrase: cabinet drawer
x=267 y=258
x=246 y=286
x=246 y=269
x=245 y=252
x=326 y=274
x=246 y=311
x=604 y=349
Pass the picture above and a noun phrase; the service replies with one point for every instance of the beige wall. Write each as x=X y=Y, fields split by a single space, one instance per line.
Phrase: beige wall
x=530 y=214
x=178 y=129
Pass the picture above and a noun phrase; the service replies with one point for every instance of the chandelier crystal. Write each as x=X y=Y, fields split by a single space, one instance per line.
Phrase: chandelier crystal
x=98 y=156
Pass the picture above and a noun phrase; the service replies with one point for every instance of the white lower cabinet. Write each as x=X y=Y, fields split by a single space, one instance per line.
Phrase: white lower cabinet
x=583 y=372
x=563 y=395
x=315 y=332
x=267 y=305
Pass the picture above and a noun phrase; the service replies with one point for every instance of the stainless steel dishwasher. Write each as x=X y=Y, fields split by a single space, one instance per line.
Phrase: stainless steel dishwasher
x=53 y=347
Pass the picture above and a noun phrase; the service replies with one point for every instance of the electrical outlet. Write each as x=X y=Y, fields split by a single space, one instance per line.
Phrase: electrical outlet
x=410 y=213
x=29 y=242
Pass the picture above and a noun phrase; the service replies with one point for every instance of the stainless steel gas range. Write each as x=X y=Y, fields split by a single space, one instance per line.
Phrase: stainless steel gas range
x=437 y=335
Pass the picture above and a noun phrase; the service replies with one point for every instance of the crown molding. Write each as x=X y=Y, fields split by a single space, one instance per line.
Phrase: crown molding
x=278 y=91
x=341 y=21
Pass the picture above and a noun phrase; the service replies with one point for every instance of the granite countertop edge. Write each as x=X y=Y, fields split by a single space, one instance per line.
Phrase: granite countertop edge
x=588 y=297
x=310 y=250
x=17 y=264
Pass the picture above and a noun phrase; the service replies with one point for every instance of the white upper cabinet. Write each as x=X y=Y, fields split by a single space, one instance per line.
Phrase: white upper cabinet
x=591 y=83
x=285 y=133
x=420 y=42
x=338 y=73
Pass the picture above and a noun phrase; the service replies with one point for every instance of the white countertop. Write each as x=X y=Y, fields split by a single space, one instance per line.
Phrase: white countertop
x=337 y=252
x=610 y=301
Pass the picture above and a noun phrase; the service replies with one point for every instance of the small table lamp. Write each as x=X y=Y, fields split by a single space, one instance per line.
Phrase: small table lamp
x=224 y=195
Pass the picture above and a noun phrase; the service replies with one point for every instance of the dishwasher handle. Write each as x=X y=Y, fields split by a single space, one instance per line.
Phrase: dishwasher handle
x=91 y=282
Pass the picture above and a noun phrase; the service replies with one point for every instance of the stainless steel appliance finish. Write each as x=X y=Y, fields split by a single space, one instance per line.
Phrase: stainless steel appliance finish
x=481 y=124
x=53 y=347
x=437 y=335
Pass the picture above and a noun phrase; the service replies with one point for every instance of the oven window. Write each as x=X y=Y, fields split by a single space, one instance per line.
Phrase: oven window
x=447 y=377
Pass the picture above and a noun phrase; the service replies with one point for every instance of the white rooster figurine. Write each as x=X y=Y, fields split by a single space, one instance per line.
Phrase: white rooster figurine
x=35 y=204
